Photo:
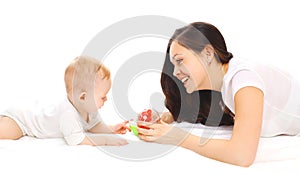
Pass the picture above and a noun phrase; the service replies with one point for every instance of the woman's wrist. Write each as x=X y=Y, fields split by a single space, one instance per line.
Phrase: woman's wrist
x=188 y=141
x=167 y=117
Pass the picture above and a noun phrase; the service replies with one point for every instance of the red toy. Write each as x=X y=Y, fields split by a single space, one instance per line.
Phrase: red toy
x=146 y=115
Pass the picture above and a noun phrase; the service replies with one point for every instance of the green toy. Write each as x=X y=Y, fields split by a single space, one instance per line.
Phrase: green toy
x=134 y=130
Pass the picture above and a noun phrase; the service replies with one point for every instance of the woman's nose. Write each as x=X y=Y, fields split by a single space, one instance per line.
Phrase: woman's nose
x=176 y=71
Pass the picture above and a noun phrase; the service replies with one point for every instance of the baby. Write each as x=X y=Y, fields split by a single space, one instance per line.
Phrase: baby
x=87 y=82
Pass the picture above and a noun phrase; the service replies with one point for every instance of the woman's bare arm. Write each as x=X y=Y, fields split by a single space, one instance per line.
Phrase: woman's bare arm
x=167 y=117
x=241 y=148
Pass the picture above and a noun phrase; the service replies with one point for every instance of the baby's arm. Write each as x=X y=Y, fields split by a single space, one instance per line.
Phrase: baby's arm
x=95 y=140
x=74 y=133
x=101 y=127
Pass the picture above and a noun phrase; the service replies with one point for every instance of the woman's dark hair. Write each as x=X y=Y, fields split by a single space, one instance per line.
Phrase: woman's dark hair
x=203 y=106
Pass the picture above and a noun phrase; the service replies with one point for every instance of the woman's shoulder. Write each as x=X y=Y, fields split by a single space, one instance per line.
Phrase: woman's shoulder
x=242 y=73
x=236 y=65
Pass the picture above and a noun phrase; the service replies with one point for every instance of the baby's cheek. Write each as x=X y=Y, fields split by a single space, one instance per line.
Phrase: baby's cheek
x=99 y=104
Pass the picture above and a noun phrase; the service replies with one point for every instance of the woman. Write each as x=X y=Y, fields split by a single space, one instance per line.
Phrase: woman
x=259 y=97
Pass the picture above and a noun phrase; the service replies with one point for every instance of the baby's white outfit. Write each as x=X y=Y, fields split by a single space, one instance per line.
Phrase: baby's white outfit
x=59 y=120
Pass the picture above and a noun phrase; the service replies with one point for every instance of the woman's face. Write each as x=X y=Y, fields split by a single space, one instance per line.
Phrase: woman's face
x=189 y=68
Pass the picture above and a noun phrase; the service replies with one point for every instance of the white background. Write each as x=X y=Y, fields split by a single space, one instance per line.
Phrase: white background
x=39 y=38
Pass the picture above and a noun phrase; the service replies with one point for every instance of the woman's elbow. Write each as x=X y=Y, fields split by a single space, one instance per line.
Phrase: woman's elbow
x=245 y=163
x=245 y=159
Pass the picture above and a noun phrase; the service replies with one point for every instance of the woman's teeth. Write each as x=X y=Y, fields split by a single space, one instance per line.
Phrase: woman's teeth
x=184 y=79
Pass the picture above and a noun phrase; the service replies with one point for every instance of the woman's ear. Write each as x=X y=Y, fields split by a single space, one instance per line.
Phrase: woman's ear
x=208 y=52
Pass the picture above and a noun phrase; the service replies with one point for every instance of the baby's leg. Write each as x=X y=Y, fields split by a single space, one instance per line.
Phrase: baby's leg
x=9 y=129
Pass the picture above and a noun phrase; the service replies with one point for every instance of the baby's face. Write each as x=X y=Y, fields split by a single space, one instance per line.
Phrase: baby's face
x=101 y=88
x=94 y=96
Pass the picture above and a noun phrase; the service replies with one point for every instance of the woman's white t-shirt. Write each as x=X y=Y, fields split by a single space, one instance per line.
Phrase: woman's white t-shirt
x=281 y=113
x=54 y=121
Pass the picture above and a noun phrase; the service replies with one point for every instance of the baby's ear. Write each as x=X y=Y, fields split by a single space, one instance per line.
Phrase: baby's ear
x=82 y=96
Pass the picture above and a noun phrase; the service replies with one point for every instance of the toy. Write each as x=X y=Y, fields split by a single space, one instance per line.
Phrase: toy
x=134 y=130
x=146 y=116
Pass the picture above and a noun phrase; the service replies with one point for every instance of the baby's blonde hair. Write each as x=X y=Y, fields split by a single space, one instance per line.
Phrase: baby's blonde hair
x=81 y=72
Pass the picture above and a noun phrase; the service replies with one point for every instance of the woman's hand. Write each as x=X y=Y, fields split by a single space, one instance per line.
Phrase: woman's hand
x=162 y=133
x=167 y=117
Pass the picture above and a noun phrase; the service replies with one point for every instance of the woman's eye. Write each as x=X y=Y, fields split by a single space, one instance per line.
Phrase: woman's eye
x=179 y=61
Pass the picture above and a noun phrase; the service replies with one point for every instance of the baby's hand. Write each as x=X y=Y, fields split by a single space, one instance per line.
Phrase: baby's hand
x=120 y=128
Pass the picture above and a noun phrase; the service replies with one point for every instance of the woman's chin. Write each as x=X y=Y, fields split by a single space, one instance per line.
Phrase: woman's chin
x=189 y=90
